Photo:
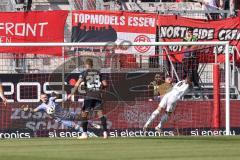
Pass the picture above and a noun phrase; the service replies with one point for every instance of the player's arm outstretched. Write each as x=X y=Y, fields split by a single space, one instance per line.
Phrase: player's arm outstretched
x=27 y=108
x=45 y=106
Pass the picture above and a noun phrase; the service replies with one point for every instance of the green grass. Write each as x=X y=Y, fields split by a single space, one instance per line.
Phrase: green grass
x=177 y=148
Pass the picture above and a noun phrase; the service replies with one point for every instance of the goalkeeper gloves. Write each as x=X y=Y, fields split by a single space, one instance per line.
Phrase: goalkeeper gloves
x=26 y=108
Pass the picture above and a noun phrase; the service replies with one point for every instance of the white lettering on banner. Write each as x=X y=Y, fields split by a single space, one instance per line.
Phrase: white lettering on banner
x=62 y=134
x=216 y=49
x=221 y=50
x=229 y=34
x=19 y=99
x=175 y=48
x=17 y=134
x=11 y=92
x=20 y=29
x=141 y=22
x=46 y=86
x=134 y=116
x=183 y=116
x=42 y=125
x=139 y=133
x=18 y=113
x=37 y=89
x=5 y=39
x=9 y=26
x=172 y=32
x=113 y=20
x=99 y=19
x=180 y=32
x=42 y=27
x=198 y=132
x=23 y=29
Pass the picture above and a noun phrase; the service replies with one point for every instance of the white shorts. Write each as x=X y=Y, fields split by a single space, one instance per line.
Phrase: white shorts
x=168 y=102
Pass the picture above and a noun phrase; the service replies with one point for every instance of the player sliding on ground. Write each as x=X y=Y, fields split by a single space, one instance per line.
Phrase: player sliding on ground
x=56 y=112
x=168 y=103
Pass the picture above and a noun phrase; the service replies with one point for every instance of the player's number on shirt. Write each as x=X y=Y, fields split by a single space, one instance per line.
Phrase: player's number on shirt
x=93 y=82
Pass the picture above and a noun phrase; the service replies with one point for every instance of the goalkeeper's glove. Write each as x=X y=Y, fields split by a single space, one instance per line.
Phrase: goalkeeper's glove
x=53 y=94
x=26 y=108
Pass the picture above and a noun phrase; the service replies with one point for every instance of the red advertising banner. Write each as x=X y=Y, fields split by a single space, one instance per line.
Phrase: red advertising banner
x=127 y=110
x=174 y=28
x=105 y=26
x=190 y=118
x=37 y=26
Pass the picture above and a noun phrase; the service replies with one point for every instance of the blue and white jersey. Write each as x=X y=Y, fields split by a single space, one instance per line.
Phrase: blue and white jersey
x=59 y=112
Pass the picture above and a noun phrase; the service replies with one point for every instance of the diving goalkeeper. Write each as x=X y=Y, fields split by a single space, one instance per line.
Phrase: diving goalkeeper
x=169 y=102
x=56 y=112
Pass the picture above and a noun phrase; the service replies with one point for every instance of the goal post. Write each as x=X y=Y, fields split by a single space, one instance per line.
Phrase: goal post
x=103 y=44
x=227 y=86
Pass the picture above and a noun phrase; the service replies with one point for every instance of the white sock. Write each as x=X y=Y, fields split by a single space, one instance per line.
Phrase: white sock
x=76 y=127
x=152 y=117
x=163 y=120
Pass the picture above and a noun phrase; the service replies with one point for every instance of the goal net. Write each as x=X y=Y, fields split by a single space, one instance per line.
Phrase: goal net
x=136 y=84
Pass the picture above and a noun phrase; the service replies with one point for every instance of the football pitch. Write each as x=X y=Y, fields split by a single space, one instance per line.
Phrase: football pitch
x=177 y=148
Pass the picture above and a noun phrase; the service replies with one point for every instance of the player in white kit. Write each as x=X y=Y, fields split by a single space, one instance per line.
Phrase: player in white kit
x=168 y=103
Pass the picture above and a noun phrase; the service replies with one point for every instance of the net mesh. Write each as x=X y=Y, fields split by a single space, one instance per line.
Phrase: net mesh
x=131 y=95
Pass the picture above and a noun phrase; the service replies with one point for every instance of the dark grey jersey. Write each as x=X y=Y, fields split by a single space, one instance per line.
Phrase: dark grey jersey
x=92 y=79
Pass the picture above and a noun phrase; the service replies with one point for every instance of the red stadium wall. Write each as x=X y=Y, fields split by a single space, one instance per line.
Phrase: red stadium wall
x=188 y=117
x=125 y=104
x=188 y=114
